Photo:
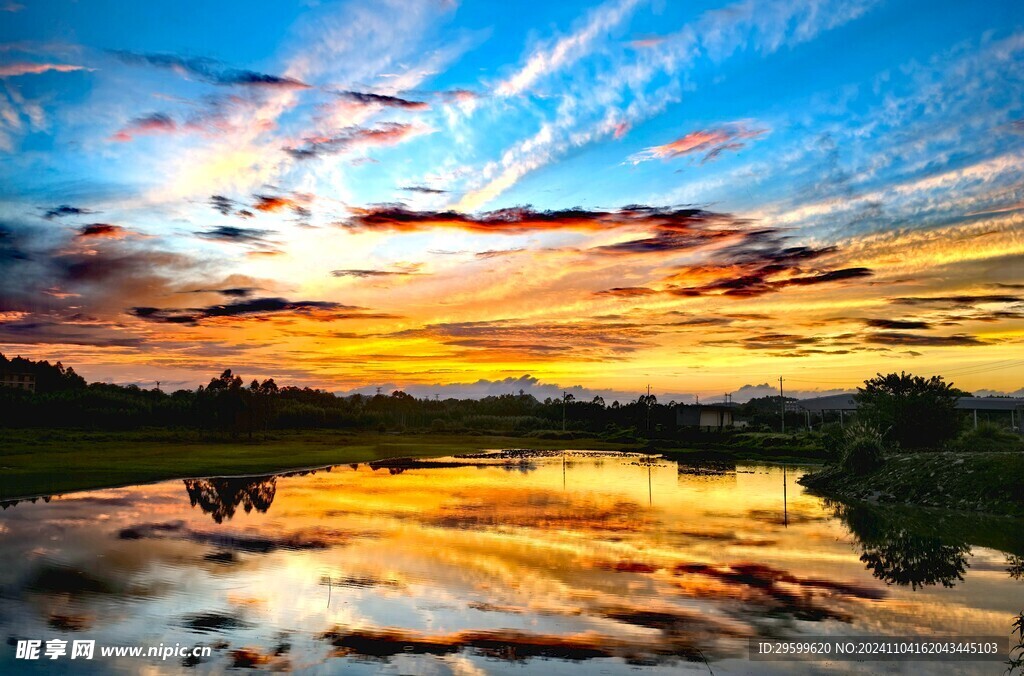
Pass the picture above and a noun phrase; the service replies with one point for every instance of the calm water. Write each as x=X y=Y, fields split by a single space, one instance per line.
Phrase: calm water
x=562 y=564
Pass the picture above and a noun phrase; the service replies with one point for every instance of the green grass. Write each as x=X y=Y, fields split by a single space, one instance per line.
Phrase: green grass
x=40 y=462
x=990 y=482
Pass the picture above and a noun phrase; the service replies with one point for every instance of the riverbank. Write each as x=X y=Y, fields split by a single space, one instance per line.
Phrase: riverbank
x=38 y=462
x=991 y=483
x=44 y=462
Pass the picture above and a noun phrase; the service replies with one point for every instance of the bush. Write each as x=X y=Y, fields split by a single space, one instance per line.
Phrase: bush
x=834 y=440
x=863 y=455
x=988 y=437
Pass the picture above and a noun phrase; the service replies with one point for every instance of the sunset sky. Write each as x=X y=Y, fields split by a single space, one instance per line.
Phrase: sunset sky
x=480 y=197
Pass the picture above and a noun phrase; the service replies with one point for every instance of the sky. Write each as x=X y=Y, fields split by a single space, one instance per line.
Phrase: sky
x=471 y=198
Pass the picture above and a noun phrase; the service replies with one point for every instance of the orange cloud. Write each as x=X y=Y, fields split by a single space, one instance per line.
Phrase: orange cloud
x=157 y=123
x=708 y=142
x=22 y=68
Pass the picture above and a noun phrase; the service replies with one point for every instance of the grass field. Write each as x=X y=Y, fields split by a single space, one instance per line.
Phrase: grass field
x=41 y=462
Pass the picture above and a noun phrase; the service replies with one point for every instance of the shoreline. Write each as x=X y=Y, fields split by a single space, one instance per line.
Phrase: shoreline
x=40 y=463
x=972 y=483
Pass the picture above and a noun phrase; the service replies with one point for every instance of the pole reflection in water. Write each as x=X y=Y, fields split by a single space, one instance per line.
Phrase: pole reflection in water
x=785 y=500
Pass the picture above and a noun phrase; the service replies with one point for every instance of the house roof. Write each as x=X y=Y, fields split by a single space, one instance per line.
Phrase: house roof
x=835 y=402
x=846 y=402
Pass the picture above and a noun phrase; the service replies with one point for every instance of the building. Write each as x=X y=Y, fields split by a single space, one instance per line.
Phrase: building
x=705 y=416
x=845 y=404
x=21 y=381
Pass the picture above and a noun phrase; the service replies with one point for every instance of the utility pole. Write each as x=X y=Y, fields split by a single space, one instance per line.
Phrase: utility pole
x=563 y=410
x=648 y=408
x=158 y=386
x=782 y=398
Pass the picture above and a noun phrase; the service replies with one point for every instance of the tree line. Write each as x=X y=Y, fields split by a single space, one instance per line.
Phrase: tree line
x=228 y=405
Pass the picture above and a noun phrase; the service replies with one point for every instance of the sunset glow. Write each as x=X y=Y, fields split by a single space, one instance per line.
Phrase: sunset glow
x=470 y=198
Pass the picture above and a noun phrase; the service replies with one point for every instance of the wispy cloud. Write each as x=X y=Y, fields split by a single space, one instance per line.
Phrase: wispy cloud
x=256 y=307
x=383 y=100
x=210 y=70
x=548 y=59
x=20 y=68
x=707 y=143
x=390 y=133
x=370 y=273
x=594 y=112
x=66 y=210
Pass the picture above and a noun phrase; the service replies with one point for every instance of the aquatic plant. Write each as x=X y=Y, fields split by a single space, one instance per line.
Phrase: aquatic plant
x=1016 y=661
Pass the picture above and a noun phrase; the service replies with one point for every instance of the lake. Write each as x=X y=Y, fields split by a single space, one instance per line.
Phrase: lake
x=511 y=562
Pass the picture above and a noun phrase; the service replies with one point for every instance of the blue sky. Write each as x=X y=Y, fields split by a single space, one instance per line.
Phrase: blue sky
x=337 y=136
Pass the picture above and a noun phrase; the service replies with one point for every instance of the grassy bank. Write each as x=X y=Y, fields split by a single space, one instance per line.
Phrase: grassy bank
x=37 y=462
x=981 y=482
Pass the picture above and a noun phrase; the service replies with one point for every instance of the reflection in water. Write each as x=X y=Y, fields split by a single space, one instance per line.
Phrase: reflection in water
x=539 y=563
x=895 y=553
x=1015 y=566
x=221 y=496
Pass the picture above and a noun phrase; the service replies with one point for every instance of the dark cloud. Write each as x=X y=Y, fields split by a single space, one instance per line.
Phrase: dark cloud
x=209 y=70
x=388 y=133
x=958 y=301
x=367 y=98
x=365 y=273
x=703 y=321
x=102 y=230
x=627 y=291
x=60 y=281
x=426 y=190
x=825 y=277
x=248 y=308
x=748 y=262
x=667 y=241
x=497 y=253
x=760 y=282
x=774 y=341
x=42 y=332
x=913 y=339
x=236 y=235
x=897 y=324
x=519 y=220
x=995 y=316
x=230 y=292
x=757 y=262
x=66 y=210
x=222 y=204
x=12 y=245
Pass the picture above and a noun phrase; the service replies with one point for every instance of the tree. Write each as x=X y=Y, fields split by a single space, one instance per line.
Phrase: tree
x=910 y=411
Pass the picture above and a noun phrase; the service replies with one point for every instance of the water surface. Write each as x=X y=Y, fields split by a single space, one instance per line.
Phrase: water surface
x=549 y=563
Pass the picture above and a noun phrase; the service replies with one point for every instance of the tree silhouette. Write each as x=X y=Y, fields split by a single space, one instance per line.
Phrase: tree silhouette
x=909 y=410
x=220 y=497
